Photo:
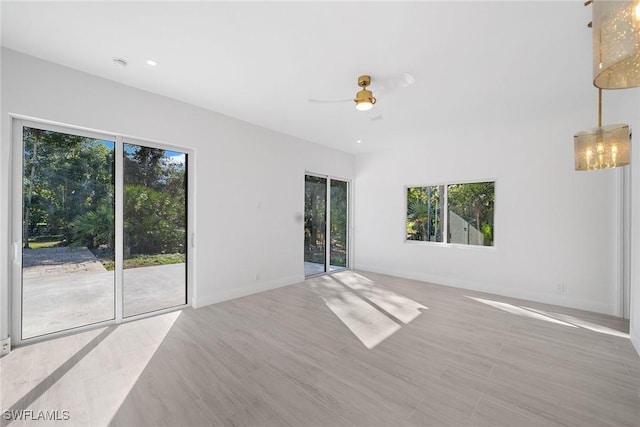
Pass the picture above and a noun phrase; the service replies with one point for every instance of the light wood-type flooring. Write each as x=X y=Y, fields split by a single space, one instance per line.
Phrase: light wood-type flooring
x=348 y=349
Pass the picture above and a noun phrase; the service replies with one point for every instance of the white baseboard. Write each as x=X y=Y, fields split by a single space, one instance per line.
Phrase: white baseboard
x=244 y=290
x=581 y=304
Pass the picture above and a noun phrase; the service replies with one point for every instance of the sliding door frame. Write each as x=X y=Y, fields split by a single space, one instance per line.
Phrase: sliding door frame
x=16 y=218
x=189 y=235
x=327 y=230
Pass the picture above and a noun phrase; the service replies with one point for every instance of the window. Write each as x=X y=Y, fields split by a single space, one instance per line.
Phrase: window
x=468 y=209
x=424 y=213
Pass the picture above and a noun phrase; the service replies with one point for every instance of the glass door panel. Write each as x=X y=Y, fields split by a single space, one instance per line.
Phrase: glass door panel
x=315 y=212
x=155 y=224
x=338 y=225
x=67 y=231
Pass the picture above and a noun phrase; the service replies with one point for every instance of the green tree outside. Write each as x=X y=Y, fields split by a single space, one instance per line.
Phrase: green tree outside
x=473 y=202
x=69 y=192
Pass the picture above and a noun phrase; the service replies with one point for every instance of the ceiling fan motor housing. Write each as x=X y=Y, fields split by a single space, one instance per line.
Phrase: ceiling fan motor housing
x=364 y=81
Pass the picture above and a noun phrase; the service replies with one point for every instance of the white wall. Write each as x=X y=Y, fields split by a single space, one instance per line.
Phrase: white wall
x=627 y=104
x=249 y=181
x=553 y=225
x=569 y=237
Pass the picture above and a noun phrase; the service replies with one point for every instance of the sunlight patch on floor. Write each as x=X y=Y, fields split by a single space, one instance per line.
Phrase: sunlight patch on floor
x=107 y=372
x=401 y=307
x=510 y=308
x=370 y=312
x=552 y=317
x=582 y=323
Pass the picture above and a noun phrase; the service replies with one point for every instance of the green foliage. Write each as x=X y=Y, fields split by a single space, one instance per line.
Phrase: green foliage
x=315 y=196
x=157 y=259
x=45 y=244
x=140 y=260
x=94 y=228
x=154 y=223
x=155 y=218
x=475 y=204
x=108 y=264
x=68 y=190
x=144 y=166
x=423 y=213
x=315 y=217
x=65 y=176
x=338 y=225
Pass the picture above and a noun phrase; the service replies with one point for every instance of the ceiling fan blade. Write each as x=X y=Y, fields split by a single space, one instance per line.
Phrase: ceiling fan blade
x=379 y=84
x=392 y=82
x=328 y=101
x=375 y=117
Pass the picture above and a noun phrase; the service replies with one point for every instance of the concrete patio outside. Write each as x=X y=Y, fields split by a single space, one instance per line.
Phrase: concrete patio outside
x=314 y=268
x=63 y=288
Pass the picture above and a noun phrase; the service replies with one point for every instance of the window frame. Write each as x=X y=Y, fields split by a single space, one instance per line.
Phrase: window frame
x=443 y=212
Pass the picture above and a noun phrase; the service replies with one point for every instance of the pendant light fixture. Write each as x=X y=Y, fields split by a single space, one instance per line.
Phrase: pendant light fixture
x=616 y=43
x=602 y=147
x=364 y=98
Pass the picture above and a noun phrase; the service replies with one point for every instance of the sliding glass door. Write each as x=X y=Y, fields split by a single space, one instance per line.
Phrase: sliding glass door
x=68 y=232
x=155 y=224
x=338 y=224
x=315 y=224
x=325 y=225
x=99 y=228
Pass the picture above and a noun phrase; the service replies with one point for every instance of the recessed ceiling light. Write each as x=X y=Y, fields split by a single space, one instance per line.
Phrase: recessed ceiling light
x=359 y=141
x=151 y=63
x=119 y=62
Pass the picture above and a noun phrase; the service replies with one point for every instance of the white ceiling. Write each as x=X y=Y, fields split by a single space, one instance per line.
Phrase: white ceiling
x=475 y=63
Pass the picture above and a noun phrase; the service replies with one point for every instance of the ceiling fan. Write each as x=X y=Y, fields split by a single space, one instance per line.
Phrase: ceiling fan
x=365 y=99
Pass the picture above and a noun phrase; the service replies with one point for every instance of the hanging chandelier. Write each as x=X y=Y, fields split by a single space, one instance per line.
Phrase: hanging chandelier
x=602 y=147
x=616 y=43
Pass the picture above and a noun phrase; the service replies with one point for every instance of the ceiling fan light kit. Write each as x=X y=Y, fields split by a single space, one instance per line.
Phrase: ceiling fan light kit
x=364 y=99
